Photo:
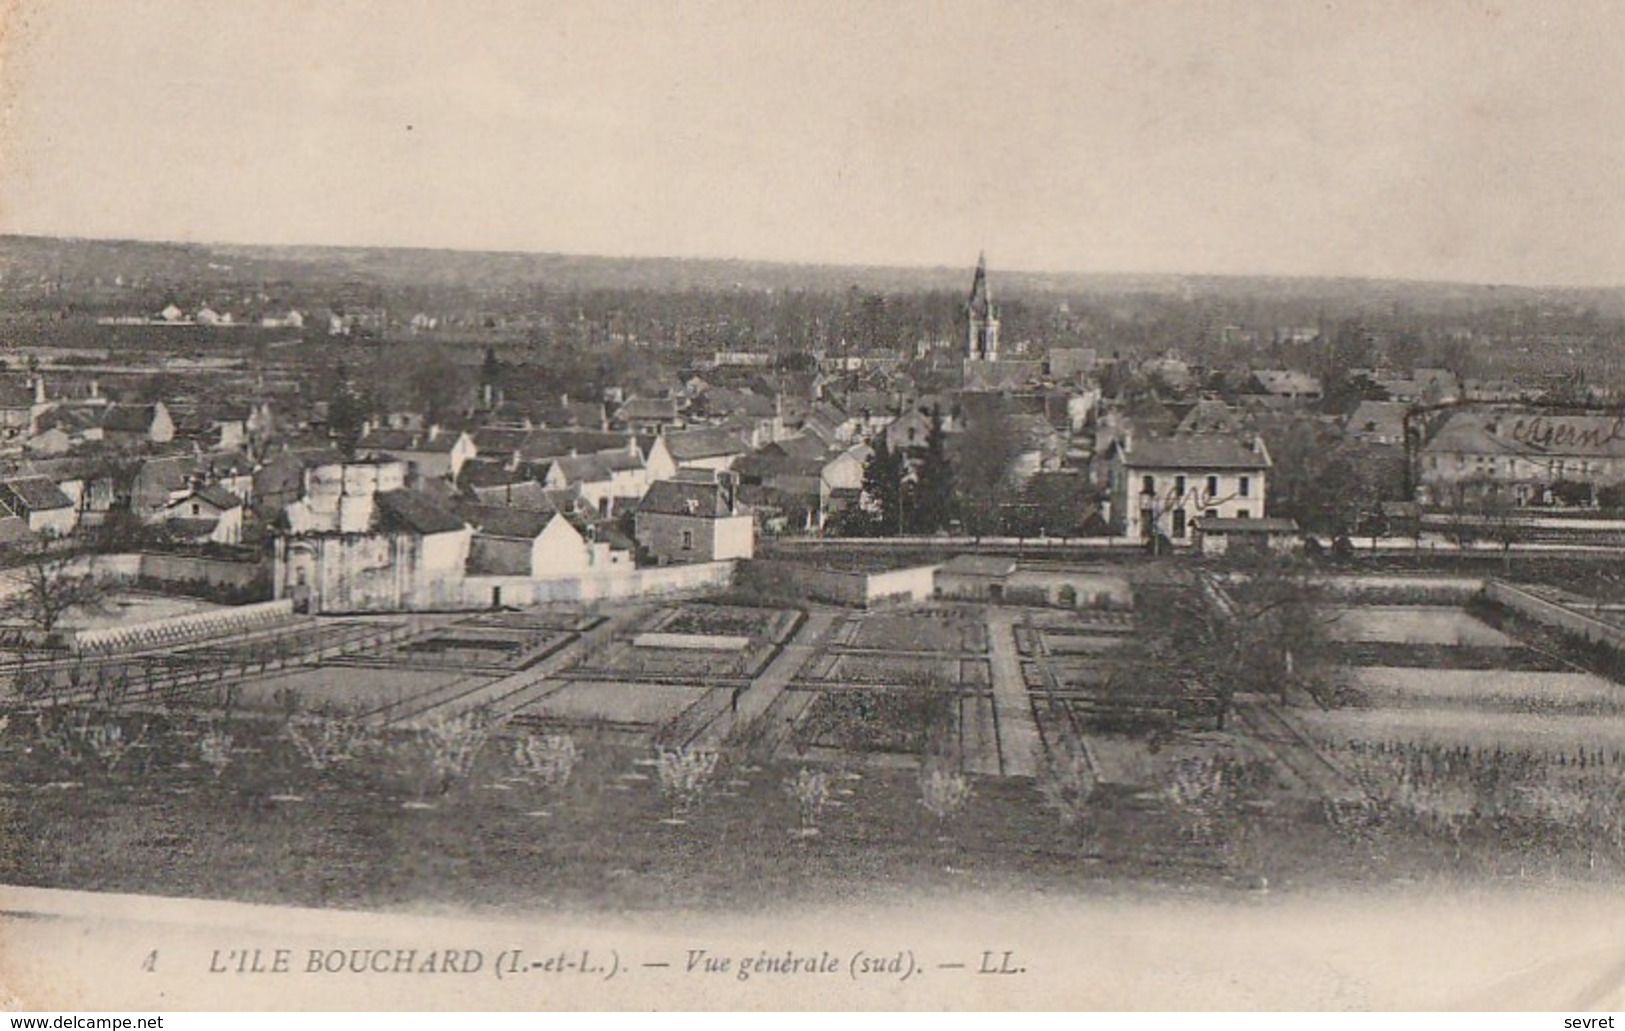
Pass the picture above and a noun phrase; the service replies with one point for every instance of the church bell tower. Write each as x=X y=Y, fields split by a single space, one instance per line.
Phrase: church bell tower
x=982 y=340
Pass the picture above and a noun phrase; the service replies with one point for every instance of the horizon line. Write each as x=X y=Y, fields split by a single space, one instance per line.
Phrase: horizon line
x=822 y=263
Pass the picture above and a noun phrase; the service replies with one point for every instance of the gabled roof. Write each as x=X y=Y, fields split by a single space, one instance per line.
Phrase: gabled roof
x=528 y=494
x=692 y=445
x=583 y=469
x=685 y=498
x=1197 y=451
x=1535 y=436
x=218 y=496
x=979 y=565
x=16 y=395
x=1208 y=416
x=415 y=513
x=201 y=526
x=563 y=414
x=1286 y=382
x=128 y=418
x=647 y=408
x=72 y=418
x=68 y=467
x=223 y=463
x=387 y=439
x=1384 y=417
x=498 y=440
x=504 y=521
x=800 y=446
x=480 y=473
x=13 y=528
x=541 y=445
x=620 y=461
x=39 y=493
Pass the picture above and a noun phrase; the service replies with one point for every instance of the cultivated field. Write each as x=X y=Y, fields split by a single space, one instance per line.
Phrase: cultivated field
x=1413 y=624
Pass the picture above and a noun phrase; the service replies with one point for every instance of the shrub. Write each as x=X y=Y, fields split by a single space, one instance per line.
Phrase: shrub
x=214 y=748
x=1207 y=791
x=1067 y=782
x=329 y=739
x=810 y=789
x=451 y=745
x=685 y=775
x=548 y=759
x=944 y=788
x=80 y=735
x=288 y=701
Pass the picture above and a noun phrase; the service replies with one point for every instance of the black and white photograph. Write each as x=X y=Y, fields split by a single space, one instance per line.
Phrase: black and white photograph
x=868 y=505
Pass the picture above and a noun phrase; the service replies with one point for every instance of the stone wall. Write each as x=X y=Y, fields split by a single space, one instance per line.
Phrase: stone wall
x=611 y=585
x=1553 y=614
x=840 y=587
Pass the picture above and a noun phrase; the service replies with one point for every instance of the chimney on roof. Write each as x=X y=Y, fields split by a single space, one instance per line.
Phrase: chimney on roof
x=39 y=390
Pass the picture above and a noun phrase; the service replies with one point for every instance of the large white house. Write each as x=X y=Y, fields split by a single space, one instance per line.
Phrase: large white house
x=1165 y=485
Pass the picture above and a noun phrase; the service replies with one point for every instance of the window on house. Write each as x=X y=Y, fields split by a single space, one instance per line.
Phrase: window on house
x=1211 y=513
x=1179 y=486
x=1244 y=513
x=1212 y=486
x=1179 y=523
x=1246 y=485
x=195 y=509
x=1148 y=485
x=688 y=540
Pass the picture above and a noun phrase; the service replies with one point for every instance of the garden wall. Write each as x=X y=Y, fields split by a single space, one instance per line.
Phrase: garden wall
x=614 y=585
x=840 y=587
x=188 y=569
x=1553 y=614
x=1421 y=589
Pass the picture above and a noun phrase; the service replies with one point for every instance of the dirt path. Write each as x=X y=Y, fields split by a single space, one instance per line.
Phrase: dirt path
x=1013 y=709
x=759 y=697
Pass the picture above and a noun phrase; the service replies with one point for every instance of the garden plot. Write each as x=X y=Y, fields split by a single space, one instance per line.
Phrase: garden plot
x=1061 y=643
x=1501 y=690
x=590 y=702
x=1446 y=656
x=879 y=669
x=1452 y=728
x=887 y=721
x=622 y=659
x=538 y=619
x=1071 y=674
x=121 y=608
x=1414 y=624
x=350 y=687
x=477 y=643
x=919 y=632
x=718 y=620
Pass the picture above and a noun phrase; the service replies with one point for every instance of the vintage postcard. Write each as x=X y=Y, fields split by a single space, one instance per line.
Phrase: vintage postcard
x=716 y=505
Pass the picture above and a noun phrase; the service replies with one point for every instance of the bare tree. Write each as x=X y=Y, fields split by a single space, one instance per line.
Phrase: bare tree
x=1267 y=631
x=43 y=584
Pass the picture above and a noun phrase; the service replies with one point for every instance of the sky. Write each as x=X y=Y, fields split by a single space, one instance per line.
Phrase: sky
x=1470 y=141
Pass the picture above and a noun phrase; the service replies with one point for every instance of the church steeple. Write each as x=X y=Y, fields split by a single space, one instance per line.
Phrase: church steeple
x=982 y=342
